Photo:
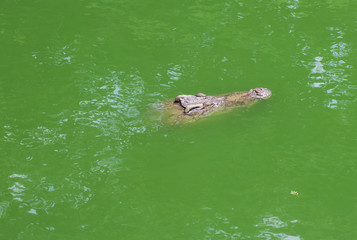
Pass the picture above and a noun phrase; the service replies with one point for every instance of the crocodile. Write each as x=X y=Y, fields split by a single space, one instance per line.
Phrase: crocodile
x=189 y=108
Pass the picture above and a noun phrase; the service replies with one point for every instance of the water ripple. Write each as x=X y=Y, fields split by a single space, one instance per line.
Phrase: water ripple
x=330 y=70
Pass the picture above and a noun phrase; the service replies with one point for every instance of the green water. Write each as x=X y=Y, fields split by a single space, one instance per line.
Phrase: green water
x=80 y=159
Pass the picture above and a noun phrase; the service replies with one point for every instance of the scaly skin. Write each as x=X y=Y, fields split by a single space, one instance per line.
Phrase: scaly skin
x=189 y=108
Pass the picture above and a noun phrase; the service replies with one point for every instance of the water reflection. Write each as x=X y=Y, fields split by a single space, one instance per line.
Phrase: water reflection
x=110 y=102
x=17 y=189
x=74 y=150
x=278 y=236
x=55 y=56
x=27 y=193
x=4 y=205
x=269 y=229
x=87 y=141
x=331 y=71
x=9 y=134
x=221 y=227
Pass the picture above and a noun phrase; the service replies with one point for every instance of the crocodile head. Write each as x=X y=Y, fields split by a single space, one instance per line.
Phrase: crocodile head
x=260 y=93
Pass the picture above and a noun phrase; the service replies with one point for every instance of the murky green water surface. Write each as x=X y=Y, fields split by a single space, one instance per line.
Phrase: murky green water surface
x=81 y=160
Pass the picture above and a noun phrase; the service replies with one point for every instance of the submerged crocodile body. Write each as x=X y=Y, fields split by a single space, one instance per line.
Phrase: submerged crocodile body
x=188 y=108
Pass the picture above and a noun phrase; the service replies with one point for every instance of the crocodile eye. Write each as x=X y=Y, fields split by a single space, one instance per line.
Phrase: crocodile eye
x=259 y=91
x=200 y=95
